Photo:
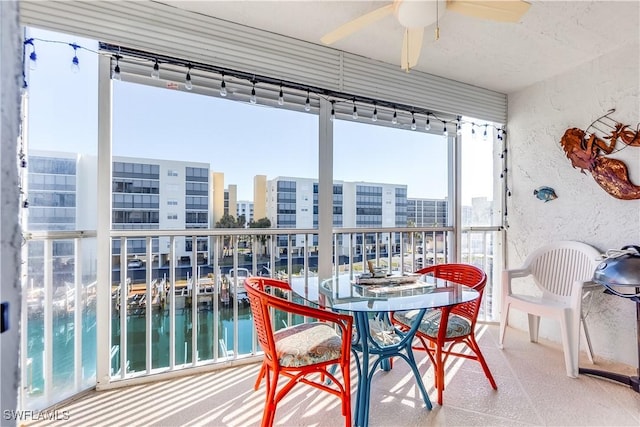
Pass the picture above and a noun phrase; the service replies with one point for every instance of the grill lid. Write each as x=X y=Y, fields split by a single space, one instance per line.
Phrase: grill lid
x=619 y=268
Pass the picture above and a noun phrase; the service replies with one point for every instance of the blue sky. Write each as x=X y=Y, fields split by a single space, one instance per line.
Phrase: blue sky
x=236 y=138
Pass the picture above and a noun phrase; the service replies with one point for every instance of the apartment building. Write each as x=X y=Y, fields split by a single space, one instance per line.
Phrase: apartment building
x=231 y=201
x=292 y=202
x=50 y=199
x=245 y=208
x=147 y=194
x=160 y=194
x=427 y=212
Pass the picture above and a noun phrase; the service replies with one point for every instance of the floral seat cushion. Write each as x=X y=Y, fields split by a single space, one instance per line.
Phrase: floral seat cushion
x=456 y=327
x=306 y=344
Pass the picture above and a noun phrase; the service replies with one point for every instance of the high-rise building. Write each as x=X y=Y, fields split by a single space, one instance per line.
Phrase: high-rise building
x=160 y=194
x=427 y=212
x=293 y=203
x=231 y=201
x=50 y=199
x=245 y=209
x=259 y=197
x=217 y=197
x=51 y=191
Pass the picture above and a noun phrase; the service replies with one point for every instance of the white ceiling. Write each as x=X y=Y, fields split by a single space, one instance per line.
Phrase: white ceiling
x=551 y=38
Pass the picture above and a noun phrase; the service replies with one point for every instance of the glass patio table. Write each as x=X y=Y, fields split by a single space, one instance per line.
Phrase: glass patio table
x=375 y=336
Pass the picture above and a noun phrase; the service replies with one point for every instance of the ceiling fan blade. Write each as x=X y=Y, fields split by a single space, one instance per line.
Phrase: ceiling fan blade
x=358 y=23
x=497 y=10
x=411 y=46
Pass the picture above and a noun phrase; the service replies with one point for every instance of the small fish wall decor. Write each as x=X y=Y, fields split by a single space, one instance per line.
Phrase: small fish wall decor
x=545 y=193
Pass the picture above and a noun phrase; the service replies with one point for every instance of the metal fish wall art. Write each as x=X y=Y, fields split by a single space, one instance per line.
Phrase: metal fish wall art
x=545 y=194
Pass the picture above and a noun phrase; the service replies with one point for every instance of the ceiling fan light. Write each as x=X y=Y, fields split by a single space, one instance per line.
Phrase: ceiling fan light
x=417 y=14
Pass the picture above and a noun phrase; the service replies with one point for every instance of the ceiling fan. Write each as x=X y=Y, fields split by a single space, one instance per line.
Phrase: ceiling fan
x=415 y=15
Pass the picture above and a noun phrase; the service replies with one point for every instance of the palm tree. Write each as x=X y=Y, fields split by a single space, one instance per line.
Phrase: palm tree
x=261 y=223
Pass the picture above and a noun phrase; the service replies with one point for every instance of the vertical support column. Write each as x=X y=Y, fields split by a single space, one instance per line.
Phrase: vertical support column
x=325 y=191
x=455 y=195
x=103 y=291
x=10 y=255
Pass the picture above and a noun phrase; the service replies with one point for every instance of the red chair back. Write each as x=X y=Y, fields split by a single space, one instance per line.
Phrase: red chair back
x=465 y=274
x=312 y=371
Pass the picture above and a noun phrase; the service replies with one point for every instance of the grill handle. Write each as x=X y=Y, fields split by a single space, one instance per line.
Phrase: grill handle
x=636 y=248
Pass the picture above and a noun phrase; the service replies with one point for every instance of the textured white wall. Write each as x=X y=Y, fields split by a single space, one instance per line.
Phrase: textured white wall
x=10 y=237
x=538 y=117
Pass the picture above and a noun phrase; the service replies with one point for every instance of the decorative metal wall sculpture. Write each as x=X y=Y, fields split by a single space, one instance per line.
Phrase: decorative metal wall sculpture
x=545 y=193
x=588 y=150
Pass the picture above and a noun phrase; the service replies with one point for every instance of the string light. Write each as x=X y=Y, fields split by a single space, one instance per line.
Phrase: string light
x=280 y=85
x=75 y=62
x=116 y=70
x=445 y=132
x=253 y=98
x=281 y=96
x=187 y=80
x=307 y=103
x=333 y=111
x=155 y=73
x=223 y=87
x=32 y=56
x=484 y=135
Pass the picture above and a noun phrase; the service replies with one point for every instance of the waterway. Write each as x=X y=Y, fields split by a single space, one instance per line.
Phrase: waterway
x=63 y=348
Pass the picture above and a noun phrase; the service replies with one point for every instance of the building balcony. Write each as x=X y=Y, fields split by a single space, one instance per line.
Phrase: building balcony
x=148 y=307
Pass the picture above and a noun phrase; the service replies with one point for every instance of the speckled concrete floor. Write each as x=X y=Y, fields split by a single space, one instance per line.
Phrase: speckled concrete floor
x=533 y=390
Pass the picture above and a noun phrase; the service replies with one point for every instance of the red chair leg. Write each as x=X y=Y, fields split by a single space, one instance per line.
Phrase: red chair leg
x=270 y=403
x=260 y=376
x=474 y=346
x=346 y=396
x=439 y=373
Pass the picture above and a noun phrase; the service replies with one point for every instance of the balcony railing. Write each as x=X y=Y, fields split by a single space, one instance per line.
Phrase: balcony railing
x=172 y=308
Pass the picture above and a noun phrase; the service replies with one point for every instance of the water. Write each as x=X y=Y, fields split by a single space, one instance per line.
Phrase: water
x=63 y=357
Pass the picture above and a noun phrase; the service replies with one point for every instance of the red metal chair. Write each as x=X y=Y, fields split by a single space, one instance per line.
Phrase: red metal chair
x=444 y=328
x=304 y=353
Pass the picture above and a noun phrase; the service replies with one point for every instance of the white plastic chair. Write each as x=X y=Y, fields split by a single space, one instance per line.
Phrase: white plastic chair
x=560 y=271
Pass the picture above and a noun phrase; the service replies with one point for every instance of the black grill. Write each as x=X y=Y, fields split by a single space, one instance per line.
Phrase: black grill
x=619 y=273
